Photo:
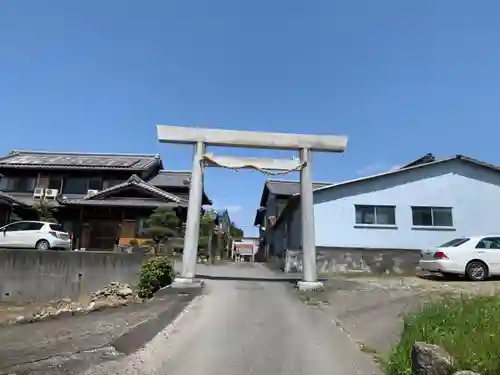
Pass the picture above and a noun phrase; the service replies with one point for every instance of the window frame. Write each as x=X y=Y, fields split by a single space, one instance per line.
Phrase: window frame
x=433 y=218
x=90 y=184
x=375 y=223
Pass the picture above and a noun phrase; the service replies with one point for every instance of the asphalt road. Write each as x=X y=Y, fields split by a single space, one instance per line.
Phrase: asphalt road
x=246 y=322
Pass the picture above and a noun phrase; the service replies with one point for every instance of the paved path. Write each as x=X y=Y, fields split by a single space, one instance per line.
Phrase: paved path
x=248 y=325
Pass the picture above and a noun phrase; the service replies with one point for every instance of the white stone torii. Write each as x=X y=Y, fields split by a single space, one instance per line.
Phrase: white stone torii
x=201 y=137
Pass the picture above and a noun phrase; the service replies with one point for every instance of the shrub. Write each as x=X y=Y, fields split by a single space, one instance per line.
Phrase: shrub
x=156 y=273
x=133 y=242
x=467 y=327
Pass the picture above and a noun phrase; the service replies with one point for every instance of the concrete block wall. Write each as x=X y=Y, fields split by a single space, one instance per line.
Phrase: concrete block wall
x=30 y=275
x=378 y=261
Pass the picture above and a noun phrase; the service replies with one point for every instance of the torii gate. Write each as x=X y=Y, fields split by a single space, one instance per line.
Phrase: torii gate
x=202 y=137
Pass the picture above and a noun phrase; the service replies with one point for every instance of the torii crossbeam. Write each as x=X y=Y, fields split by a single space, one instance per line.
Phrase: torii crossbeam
x=202 y=137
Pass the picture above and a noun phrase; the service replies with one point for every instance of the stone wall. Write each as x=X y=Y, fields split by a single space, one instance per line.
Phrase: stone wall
x=332 y=259
x=30 y=275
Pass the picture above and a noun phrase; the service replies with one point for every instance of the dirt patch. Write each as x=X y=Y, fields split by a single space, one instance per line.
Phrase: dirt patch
x=371 y=309
x=69 y=345
x=114 y=294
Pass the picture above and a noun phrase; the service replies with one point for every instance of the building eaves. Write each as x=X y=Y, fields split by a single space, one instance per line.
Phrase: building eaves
x=136 y=181
x=403 y=170
x=258 y=216
x=12 y=200
x=120 y=203
x=19 y=159
x=293 y=202
x=285 y=188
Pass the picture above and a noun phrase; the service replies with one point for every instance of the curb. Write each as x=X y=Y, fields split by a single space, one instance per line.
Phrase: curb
x=141 y=334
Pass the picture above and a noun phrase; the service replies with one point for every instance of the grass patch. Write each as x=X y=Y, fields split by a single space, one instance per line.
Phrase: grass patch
x=467 y=327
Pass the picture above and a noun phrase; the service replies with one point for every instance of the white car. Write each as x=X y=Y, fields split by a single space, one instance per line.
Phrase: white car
x=476 y=257
x=35 y=235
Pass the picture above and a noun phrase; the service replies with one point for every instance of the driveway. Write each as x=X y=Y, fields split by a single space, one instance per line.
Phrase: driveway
x=246 y=322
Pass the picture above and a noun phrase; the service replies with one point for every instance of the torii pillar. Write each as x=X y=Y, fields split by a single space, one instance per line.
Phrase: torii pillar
x=202 y=137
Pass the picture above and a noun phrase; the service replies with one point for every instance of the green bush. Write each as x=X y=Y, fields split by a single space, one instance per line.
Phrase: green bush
x=467 y=327
x=156 y=273
x=133 y=242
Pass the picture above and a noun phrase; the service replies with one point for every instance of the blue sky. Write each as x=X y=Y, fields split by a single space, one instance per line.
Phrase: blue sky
x=400 y=78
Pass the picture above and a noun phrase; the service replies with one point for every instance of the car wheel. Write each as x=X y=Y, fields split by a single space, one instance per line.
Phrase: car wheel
x=42 y=245
x=476 y=271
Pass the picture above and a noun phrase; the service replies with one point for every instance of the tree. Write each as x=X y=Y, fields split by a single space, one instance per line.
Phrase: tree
x=44 y=211
x=235 y=233
x=207 y=226
x=162 y=224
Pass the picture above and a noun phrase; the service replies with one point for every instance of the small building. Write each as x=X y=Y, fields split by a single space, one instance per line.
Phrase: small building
x=103 y=200
x=274 y=199
x=420 y=205
x=245 y=249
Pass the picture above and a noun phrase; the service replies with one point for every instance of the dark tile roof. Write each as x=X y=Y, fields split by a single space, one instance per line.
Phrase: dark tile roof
x=11 y=200
x=69 y=160
x=171 y=179
x=137 y=182
x=176 y=179
x=285 y=188
x=427 y=158
x=125 y=202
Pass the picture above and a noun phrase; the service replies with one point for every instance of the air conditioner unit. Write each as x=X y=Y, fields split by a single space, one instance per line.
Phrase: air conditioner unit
x=38 y=193
x=92 y=191
x=51 y=193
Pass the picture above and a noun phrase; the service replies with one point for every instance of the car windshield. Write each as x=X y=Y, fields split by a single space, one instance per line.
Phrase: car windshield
x=455 y=242
x=57 y=227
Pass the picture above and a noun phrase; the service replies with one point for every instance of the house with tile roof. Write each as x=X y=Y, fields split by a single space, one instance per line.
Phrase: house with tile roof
x=102 y=199
x=274 y=198
x=423 y=204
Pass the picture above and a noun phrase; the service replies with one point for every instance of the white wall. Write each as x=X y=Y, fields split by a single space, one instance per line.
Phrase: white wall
x=472 y=192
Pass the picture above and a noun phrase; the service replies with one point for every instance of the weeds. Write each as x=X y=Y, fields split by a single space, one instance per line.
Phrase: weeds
x=467 y=327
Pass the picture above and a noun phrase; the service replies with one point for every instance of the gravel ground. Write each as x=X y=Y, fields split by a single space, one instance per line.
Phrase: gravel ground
x=371 y=309
x=247 y=322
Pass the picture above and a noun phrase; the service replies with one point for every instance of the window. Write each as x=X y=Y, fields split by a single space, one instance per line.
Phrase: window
x=95 y=184
x=18 y=184
x=377 y=215
x=57 y=227
x=34 y=226
x=432 y=216
x=455 y=242
x=141 y=228
x=75 y=185
x=17 y=227
x=489 y=243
